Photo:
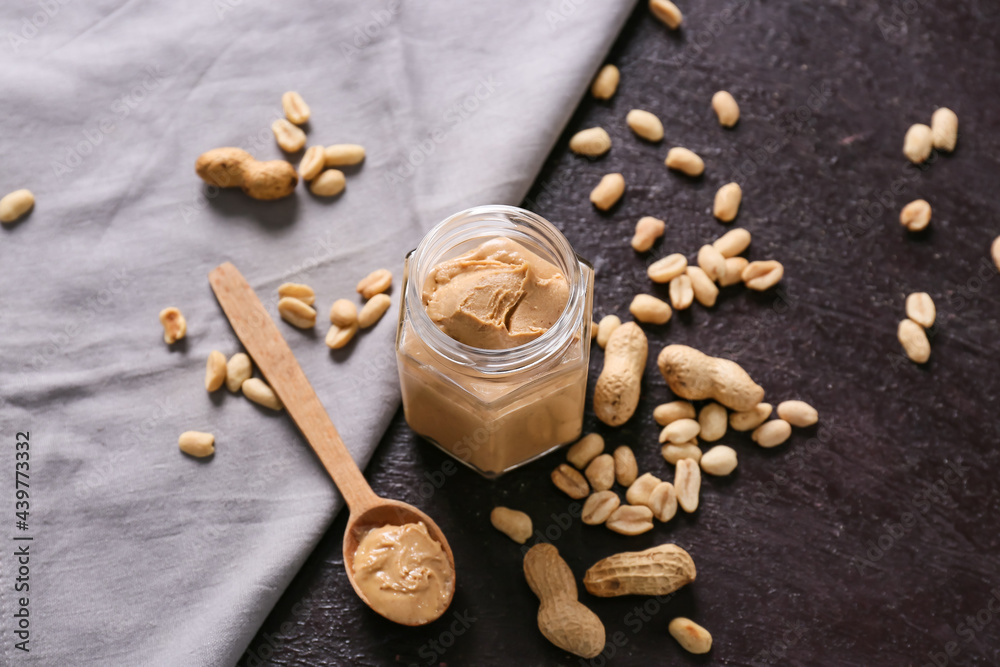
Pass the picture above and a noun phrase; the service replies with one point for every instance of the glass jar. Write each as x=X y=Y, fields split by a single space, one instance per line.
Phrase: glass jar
x=495 y=410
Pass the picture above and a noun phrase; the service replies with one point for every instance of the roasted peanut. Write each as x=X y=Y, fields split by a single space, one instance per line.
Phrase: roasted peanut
x=295 y=108
x=798 y=413
x=197 y=443
x=685 y=160
x=673 y=453
x=920 y=308
x=913 y=338
x=373 y=310
x=667 y=12
x=660 y=570
x=918 y=142
x=647 y=230
x=626 y=468
x=748 y=420
x=705 y=291
x=772 y=433
x=343 y=313
x=726 y=108
x=376 y=282
x=512 y=523
x=338 y=337
x=562 y=619
x=733 y=242
x=607 y=193
x=713 y=419
x=916 y=215
x=719 y=461
x=223 y=167
x=663 y=501
x=616 y=393
x=665 y=413
x=607 y=327
x=712 y=262
x=681 y=292
x=238 y=370
x=585 y=450
x=638 y=492
x=344 y=155
x=694 y=375
x=692 y=637
x=687 y=483
x=599 y=506
x=174 y=325
x=680 y=431
x=761 y=276
x=591 y=142
x=15 y=205
x=312 y=163
x=303 y=293
x=234 y=167
x=570 y=481
x=727 y=202
x=631 y=520
x=734 y=271
x=261 y=393
x=944 y=129
x=296 y=313
x=215 y=370
x=329 y=183
x=667 y=268
x=601 y=472
x=645 y=124
x=289 y=137
x=647 y=308
x=606 y=83
x=273 y=179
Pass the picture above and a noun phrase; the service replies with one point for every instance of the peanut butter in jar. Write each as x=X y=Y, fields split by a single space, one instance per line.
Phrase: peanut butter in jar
x=493 y=339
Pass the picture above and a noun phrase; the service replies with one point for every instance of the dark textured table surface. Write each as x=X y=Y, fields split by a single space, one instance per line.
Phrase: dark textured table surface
x=873 y=538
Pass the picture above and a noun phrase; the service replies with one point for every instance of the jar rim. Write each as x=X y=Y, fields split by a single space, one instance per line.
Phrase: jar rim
x=482 y=223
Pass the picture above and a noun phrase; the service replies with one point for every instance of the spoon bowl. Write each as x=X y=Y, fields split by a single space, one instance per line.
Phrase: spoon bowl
x=388 y=512
x=262 y=340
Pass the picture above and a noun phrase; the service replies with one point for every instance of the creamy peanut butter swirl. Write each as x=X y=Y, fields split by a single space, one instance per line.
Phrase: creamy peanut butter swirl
x=404 y=573
x=497 y=296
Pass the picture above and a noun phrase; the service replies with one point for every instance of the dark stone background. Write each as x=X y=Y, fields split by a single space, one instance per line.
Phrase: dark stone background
x=852 y=544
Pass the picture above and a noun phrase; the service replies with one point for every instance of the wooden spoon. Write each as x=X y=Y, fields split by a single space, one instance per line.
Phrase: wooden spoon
x=263 y=341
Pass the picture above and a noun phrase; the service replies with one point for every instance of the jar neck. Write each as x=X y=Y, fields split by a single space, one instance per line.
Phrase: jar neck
x=463 y=232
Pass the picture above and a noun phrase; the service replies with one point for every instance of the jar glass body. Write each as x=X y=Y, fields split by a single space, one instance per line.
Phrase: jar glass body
x=495 y=410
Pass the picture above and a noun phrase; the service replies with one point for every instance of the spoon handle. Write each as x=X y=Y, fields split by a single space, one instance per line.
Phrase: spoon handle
x=271 y=354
